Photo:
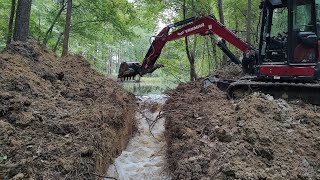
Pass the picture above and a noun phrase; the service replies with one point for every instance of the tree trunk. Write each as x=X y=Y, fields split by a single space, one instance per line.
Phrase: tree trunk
x=13 y=9
x=67 y=29
x=249 y=22
x=46 y=37
x=191 y=55
x=57 y=43
x=21 y=29
x=237 y=25
x=119 y=56
x=214 y=52
x=220 y=9
x=221 y=19
x=110 y=62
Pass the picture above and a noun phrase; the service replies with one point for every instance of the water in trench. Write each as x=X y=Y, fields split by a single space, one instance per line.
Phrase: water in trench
x=144 y=157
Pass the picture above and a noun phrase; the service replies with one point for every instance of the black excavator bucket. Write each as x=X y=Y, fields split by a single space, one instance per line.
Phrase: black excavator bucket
x=129 y=70
x=306 y=92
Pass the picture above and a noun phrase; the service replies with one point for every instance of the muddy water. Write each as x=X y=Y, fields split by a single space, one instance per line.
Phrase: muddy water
x=144 y=157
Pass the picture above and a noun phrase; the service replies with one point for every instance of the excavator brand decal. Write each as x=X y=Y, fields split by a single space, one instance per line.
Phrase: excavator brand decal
x=191 y=29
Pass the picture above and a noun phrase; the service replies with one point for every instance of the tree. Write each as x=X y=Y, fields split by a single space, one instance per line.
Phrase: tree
x=221 y=18
x=10 y=27
x=249 y=22
x=21 y=29
x=46 y=37
x=67 y=29
x=191 y=55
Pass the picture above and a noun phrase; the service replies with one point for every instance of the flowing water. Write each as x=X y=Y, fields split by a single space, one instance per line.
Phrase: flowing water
x=144 y=157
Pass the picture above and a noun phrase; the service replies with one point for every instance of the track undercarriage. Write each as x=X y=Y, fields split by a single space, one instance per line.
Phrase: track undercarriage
x=306 y=92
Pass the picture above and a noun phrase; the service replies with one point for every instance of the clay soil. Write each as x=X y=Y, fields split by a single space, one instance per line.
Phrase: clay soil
x=255 y=138
x=59 y=119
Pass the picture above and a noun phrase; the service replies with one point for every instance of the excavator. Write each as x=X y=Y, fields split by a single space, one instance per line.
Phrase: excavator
x=285 y=64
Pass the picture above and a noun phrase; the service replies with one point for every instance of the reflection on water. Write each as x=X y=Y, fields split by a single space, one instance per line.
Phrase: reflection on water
x=146 y=88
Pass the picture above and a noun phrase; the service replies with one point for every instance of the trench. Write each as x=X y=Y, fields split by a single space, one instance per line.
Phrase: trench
x=144 y=157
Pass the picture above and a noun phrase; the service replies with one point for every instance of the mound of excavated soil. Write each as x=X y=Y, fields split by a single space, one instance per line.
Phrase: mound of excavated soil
x=59 y=119
x=231 y=72
x=256 y=138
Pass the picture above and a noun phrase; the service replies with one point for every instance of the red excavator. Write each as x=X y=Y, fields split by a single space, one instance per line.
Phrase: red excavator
x=285 y=64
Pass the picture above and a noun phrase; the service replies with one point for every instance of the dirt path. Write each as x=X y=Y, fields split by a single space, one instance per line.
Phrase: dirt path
x=144 y=157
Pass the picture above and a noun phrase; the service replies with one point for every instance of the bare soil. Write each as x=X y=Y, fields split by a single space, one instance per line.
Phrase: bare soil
x=59 y=119
x=231 y=72
x=255 y=138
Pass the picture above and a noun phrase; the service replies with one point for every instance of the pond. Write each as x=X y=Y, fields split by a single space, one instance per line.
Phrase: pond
x=148 y=86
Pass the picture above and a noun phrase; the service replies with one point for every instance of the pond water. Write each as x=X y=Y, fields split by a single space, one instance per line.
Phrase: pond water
x=148 y=87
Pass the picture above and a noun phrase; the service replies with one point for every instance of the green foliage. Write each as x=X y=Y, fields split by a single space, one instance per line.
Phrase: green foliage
x=4 y=21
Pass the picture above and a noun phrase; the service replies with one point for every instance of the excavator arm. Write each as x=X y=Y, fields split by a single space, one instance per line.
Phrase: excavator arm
x=206 y=25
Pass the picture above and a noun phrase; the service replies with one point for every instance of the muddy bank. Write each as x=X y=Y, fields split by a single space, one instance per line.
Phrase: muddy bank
x=59 y=119
x=257 y=137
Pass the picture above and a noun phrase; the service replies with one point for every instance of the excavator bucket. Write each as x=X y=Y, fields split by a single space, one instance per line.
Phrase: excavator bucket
x=128 y=70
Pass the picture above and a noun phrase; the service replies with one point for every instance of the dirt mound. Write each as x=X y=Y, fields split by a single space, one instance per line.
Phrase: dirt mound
x=59 y=119
x=231 y=71
x=256 y=138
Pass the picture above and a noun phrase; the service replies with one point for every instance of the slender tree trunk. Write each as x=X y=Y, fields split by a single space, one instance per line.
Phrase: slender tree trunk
x=67 y=29
x=110 y=62
x=249 y=22
x=220 y=9
x=110 y=66
x=203 y=54
x=221 y=19
x=39 y=25
x=57 y=43
x=208 y=55
x=214 y=52
x=119 y=56
x=191 y=55
x=237 y=25
x=46 y=37
x=10 y=27
x=21 y=29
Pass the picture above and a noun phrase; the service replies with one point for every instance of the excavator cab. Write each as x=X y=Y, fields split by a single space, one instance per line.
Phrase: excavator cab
x=289 y=39
x=286 y=64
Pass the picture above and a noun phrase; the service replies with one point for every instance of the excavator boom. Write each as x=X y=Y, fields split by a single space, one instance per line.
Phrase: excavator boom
x=206 y=25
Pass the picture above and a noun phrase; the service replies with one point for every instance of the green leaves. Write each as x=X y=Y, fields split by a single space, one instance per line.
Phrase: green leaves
x=4 y=21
